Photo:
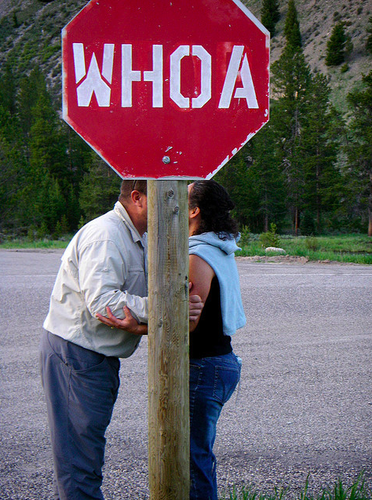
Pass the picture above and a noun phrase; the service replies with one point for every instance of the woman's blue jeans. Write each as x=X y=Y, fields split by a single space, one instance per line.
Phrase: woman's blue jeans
x=212 y=382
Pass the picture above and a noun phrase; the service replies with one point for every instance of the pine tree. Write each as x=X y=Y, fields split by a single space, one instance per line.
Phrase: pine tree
x=53 y=151
x=8 y=90
x=12 y=172
x=267 y=177
x=73 y=211
x=369 y=37
x=48 y=178
x=270 y=14
x=28 y=95
x=234 y=177
x=359 y=147
x=336 y=46
x=319 y=146
x=100 y=189
x=292 y=26
x=11 y=160
x=49 y=204
x=46 y=144
x=291 y=81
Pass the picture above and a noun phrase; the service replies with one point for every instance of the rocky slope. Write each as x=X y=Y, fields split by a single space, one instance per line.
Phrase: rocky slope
x=30 y=33
x=317 y=19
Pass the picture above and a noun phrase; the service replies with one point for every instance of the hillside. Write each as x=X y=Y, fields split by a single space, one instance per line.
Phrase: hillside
x=30 y=32
x=317 y=18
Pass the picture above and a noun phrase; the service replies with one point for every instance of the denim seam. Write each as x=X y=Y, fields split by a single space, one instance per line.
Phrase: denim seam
x=192 y=400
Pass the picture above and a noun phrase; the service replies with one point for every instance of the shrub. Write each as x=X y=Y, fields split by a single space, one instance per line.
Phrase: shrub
x=42 y=230
x=312 y=243
x=245 y=236
x=270 y=238
x=31 y=234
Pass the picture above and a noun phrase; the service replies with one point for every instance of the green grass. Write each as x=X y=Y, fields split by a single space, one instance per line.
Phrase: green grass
x=355 y=248
x=357 y=491
x=346 y=248
x=25 y=244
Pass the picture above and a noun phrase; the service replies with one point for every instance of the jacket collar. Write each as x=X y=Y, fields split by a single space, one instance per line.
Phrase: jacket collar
x=124 y=216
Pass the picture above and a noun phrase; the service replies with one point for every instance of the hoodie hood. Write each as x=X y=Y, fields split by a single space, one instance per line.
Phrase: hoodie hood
x=219 y=254
x=227 y=246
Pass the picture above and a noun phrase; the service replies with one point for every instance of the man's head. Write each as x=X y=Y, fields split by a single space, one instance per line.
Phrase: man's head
x=133 y=197
x=127 y=186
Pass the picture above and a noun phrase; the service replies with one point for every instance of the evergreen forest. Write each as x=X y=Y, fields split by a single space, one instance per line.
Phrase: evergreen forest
x=308 y=171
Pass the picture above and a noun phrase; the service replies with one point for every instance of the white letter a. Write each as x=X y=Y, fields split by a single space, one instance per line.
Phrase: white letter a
x=247 y=91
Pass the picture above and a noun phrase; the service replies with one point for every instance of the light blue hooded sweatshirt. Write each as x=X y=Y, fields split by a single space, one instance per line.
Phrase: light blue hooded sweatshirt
x=219 y=254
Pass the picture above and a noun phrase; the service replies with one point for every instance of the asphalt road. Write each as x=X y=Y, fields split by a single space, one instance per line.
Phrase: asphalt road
x=304 y=405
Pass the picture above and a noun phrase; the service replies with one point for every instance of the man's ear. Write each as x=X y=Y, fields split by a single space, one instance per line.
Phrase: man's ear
x=136 y=197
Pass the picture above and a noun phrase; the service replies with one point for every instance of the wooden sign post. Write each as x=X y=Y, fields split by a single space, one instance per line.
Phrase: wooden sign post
x=168 y=356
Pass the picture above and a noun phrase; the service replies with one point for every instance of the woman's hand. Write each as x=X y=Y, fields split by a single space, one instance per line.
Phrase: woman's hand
x=129 y=323
x=195 y=307
x=201 y=275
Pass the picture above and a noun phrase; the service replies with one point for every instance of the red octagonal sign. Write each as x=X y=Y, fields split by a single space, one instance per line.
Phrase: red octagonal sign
x=165 y=88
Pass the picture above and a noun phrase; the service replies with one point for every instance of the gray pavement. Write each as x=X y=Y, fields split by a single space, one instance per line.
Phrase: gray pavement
x=303 y=407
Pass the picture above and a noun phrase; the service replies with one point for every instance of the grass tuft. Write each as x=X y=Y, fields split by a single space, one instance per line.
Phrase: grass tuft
x=357 y=491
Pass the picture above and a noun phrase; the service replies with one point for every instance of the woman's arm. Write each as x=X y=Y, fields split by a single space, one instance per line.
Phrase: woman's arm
x=201 y=275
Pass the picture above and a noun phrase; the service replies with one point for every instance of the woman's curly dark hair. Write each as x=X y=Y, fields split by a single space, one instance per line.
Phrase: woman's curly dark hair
x=215 y=205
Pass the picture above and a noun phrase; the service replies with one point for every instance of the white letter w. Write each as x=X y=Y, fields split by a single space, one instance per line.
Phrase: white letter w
x=93 y=82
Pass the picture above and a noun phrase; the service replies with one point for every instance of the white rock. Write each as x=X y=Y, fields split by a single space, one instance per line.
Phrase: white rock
x=274 y=249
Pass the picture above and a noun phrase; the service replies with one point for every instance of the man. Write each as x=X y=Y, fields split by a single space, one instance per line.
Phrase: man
x=104 y=265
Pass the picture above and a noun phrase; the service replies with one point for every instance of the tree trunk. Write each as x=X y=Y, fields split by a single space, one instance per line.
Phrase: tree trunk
x=370 y=206
x=296 y=221
x=266 y=219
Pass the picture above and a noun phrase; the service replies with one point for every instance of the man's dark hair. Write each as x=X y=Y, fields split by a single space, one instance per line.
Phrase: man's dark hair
x=215 y=205
x=127 y=186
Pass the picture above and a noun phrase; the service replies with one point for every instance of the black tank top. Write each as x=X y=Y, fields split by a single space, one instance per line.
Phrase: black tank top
x=207 y=339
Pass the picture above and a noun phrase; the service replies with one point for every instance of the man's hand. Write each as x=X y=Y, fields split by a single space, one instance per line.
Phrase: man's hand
x=129 y=324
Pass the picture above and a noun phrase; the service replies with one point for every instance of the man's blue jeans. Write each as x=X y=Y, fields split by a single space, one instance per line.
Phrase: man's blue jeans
x=212 y=382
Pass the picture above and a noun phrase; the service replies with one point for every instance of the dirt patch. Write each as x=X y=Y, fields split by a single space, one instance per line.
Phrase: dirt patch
x=292 y=259
x=276 y=258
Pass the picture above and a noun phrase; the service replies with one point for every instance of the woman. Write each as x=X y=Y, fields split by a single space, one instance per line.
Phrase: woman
x=214 y=368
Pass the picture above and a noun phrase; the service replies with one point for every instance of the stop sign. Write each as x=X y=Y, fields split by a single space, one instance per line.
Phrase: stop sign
x=165 y=89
